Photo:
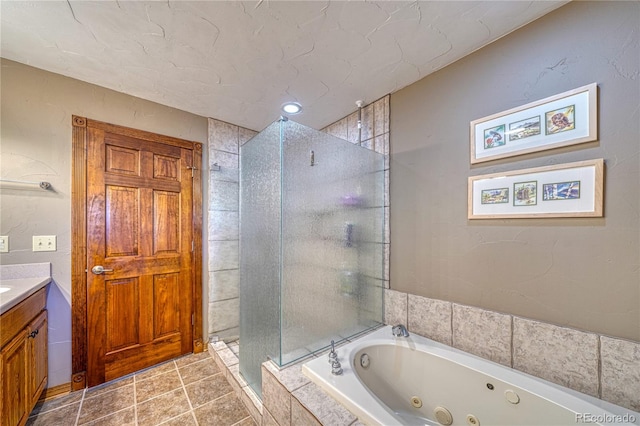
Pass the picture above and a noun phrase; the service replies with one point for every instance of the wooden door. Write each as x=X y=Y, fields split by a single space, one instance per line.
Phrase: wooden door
x=140 y=210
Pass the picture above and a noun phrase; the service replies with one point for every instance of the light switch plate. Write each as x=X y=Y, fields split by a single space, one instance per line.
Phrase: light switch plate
x=44 y=243
x=4 y=244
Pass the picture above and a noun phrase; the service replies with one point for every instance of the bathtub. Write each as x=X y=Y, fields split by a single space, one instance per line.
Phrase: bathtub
x=391 y=381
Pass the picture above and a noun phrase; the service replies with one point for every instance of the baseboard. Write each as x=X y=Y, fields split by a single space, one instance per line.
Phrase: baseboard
x=55 y=391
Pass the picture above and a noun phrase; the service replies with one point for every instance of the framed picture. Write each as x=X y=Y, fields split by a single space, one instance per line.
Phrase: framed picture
x=565 y=119
x=564 y=190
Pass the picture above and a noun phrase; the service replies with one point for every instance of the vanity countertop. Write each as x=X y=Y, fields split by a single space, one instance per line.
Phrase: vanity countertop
x=14 y=291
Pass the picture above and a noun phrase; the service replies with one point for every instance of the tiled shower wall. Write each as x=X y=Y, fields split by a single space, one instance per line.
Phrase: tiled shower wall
x=374 y=135
x=600 y=366
x=224 y=152
x=224 y=188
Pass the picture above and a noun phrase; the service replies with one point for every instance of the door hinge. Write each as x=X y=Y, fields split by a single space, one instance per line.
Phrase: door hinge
x=193 y=319
x=193 y=246
x=192 y=168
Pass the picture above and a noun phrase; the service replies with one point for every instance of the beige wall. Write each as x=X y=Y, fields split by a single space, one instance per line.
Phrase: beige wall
x=36 y=145
x=581 y=273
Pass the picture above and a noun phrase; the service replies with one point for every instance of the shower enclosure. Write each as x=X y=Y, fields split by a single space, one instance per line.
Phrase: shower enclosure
x=311 y=244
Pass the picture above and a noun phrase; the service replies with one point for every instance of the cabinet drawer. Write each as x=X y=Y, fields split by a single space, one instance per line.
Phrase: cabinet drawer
x=18 y=317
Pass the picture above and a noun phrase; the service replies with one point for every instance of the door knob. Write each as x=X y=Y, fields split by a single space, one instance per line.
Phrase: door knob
x=99 y=269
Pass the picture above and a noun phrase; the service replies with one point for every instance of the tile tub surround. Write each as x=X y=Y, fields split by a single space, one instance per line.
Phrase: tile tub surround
x=288 y=396
x=601 y=366
x=190 y=390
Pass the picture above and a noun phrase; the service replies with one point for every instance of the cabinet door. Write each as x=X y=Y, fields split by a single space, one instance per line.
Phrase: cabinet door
x=37 y=341
x=15 y=398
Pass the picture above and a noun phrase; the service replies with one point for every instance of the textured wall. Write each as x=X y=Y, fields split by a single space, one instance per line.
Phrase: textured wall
x=581 y=273
x=36 y=145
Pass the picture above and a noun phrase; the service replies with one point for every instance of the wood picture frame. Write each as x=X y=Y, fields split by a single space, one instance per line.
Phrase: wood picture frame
x=563 y=190
x=568 y=118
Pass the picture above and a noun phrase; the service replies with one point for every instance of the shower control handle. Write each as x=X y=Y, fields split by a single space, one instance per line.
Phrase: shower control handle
x=99 y=270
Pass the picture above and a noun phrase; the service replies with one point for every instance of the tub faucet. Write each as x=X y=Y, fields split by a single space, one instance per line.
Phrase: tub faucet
x=399 y=330
x=333 y=356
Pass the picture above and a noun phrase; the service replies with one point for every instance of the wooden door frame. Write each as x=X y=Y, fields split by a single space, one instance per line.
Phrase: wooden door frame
x=79 y=348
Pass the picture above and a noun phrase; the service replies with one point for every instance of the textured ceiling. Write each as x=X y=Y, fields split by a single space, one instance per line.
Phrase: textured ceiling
x=239 y=61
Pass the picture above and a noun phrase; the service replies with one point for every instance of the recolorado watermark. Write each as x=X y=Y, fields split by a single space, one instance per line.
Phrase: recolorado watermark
x=605 y=418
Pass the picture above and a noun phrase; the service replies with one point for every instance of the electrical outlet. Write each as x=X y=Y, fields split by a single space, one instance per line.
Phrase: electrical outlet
x=4 y=244
x=44 y=243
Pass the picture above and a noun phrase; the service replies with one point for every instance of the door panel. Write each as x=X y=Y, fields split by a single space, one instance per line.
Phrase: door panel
x=122 y=221
x=123 y=311
x=166 y=291
x=166 y=223
x=140 y=229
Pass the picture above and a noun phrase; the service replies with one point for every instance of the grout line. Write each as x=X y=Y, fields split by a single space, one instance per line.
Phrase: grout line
x=164 y=422
x=513 y=349
x=193 y=414
x=84 y=391
x=135 y=399
x=242 y=420
x=599 y=356
x=226 y=152
x=184 y=389
x=107 y=415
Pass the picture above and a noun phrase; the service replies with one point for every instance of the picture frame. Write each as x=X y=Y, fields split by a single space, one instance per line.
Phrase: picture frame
x=563 y=190
x=568 y=118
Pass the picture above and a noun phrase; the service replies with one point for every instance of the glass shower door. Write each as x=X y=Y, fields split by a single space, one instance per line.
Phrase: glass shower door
x=260 y=265
x=311 y=244
x=332 y=240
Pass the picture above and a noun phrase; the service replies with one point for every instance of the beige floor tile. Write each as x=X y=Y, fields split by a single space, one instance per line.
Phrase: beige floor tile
x=182 y=420
x=191 y=358
x=55 y=403
x=224 y=411
x=109 y=386
x=246 y=422
x=175 y=393
x=198 y=370
x=156 y=370
x=62 y=416
x=157 y=385
x=126 y=417
x=163 y=408
x=208 y=389
x=106 y=403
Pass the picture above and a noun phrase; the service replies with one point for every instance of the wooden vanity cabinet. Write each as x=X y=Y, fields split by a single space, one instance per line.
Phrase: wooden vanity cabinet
x=23 y=358
x=37 y=341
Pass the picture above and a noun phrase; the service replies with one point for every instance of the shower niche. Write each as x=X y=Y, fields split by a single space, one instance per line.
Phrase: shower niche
x=311 y=244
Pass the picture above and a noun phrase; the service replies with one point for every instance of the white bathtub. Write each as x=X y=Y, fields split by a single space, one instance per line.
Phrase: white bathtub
x=409 y=379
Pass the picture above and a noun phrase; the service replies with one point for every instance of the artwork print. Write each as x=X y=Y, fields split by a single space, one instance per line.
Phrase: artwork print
x=564 y=119
x=561 y=191
x=558 y=190
x=525 y=193
x=560 y=120
x=494 y=137
x=495 y=196
x=524 y=128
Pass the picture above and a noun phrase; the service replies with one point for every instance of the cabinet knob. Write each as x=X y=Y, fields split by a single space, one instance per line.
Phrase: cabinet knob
x=33 y=334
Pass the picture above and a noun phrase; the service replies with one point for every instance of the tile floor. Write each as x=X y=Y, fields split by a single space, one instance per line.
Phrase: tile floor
x=190 y=390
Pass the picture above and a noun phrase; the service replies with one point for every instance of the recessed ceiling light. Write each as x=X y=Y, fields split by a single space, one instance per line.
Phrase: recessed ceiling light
x=292 y=108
